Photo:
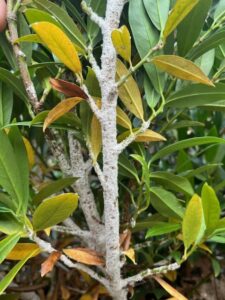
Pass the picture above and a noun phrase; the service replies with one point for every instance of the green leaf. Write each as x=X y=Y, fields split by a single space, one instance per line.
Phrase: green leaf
x=162 y=228
x=24 y=29
x=181 y=68
x=65 y=20
x=34 y=15
x=129 y=92
x=194 y=22
x=185 y=123
x=197 y=141
x=22 y=163
x=173 y=182
x=9 y=224
x=211 y=208
x=197 y=95
x=10 y=177
x=30 y=38
x=180 y=10
x=127 y=168
x=12 y=273
x=16 y=84
x=6 y=104
x=193 y=223
x=213 y=41
x=93 y=29
x=217 y=239
x=7 y=244
x=92 y=84
x=52 y=188
x=54 y=210
x=206 y=61
x=166 y=203
x=7 y=50
x=145 y=37
x=158 y=11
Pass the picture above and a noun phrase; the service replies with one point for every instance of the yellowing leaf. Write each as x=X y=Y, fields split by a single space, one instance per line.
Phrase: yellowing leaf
x=49 y=263
x=85 y=256
x=172 y=291
x=54 y=210
x=181 y=68
x=122 y=42
x=192 y=222
x=149 y=136
x=171 y=275
x=57 y=41
x=129 y=92
x=30 y=152
x=96 y=137
x=86 y=297
x=30 y=38
x=180 y=10
x=130 y=253
x=60 y=109
x=122 y=119
x=204 y=247
x=22 y=250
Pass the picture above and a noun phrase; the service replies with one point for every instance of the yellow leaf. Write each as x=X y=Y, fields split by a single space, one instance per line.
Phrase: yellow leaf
x=22 y=250
x=122 y=42
x=123 y=119
x=30 y=152
x=172 y=291
x=60 y=109
x=96 y=137
x=57 y=41
x=192 y=222
x=204 y=247
x=129 y=92
x=86 y=297
x=149 y=136
x=180 y=10
x=130 y=253
x=181 y=68
x=171 y=275
x=48 y=231
x=85 y=256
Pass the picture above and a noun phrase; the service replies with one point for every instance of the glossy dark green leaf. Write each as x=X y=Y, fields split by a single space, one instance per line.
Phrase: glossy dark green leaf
x=34 y=15
x=197 y=141
x=54 y=210
x=16 y=84
x=194 y=21
x=127 y=168
x=52 y=188
x=162 y=228
x=7 y=50
x=197 y=95
x=166 y=203
x=173 y=182
x=185 y=123
x=213 y=41
x=75 y=14
x=6 y=104
x=145 y=37
x=158 y=11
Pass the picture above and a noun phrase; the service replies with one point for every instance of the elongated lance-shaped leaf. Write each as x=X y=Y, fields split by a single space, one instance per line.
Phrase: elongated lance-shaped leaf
x=7 y=244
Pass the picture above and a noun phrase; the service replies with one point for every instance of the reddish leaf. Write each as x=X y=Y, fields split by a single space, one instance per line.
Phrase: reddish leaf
x=49 y=263
x=67 y=88
x=85 y=255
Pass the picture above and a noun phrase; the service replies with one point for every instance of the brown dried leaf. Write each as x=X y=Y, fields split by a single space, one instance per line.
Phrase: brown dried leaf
x=85 y=256
x=67 y=88
x=60 y=109
x=49 y=263
x=125 y=239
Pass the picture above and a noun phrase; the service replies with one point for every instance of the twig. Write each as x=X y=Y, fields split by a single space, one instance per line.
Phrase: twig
x=92 y=103
x=93 y=16
x=150 y=272
x=20 y=56
x=80 y=233
x=131 y=138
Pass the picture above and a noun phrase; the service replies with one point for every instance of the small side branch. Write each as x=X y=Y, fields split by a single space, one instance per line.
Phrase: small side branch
x=92 y=103
x=47 y=247
x=131 y=138
x=79 y=233
x=150 y=272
